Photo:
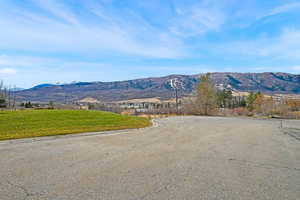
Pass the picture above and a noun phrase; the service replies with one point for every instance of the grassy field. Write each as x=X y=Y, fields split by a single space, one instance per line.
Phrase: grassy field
x=35 y=123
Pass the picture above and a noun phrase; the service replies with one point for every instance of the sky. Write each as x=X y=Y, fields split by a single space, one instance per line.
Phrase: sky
x=61 y=41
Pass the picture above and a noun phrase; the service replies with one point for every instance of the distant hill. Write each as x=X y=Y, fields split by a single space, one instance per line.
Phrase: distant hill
x=160 y=87
x=43 y=86
x=17 y=89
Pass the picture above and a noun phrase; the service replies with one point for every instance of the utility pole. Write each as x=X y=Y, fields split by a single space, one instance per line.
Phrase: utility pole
x=176 y=97
x=176 y=84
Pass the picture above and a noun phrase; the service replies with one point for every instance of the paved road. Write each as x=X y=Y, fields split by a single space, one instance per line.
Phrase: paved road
x=182 y=158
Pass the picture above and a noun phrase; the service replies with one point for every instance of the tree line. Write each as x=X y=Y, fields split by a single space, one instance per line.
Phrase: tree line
x=7 y=96
x=208 y=100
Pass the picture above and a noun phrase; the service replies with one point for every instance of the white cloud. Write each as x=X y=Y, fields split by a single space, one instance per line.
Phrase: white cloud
x=284 y=46
x=24 y=61
x=296 y=68
x=58 y=10
x=198 y=19
x=283 y=8
x=31 y=31
x=7 y=71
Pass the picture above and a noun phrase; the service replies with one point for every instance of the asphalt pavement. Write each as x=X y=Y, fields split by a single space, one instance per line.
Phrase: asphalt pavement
x=178 y=158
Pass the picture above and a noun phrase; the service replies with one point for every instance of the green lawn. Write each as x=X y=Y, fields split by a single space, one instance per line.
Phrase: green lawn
x=35 y=123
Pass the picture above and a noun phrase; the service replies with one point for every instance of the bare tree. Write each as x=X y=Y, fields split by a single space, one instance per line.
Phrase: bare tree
x=2 y=95
x=14 y=98
x=7 y=96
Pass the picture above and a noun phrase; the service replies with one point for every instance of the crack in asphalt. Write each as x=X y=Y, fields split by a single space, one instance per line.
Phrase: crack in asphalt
x=25 y=191
x=293 y=132
x=158 y=190
x=167 y=185
x=263 y=165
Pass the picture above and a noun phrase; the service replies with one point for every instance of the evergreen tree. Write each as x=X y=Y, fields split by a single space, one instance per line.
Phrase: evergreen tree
x=224 y=98
x=28 y=105
x=206 y=96
x=250 y=101
x=2 y=102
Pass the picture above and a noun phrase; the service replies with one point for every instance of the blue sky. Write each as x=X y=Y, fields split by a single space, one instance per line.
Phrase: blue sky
x=50 y=41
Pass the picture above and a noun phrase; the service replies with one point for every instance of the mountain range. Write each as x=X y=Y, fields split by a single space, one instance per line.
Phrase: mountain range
x=161 y=87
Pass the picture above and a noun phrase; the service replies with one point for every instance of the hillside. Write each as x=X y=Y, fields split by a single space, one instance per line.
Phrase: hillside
x=160 y=87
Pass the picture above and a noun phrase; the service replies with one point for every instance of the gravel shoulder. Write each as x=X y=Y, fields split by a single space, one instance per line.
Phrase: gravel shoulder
x=178 y=158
